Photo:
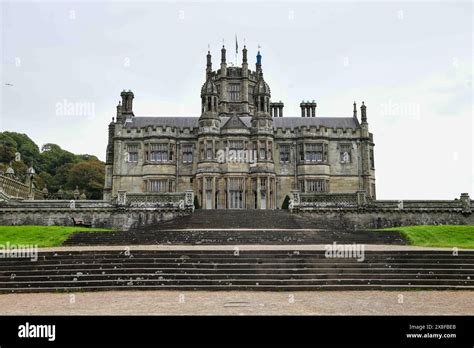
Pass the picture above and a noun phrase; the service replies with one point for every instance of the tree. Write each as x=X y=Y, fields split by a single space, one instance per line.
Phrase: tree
x=53 y=157
x=27 y=148
x=7 y=148
x=55 y=167
x=89 y=176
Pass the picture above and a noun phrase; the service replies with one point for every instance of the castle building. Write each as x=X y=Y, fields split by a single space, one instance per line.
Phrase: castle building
x=241 y=152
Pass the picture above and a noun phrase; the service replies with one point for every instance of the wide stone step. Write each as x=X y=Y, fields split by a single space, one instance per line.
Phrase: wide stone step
x=249 y=282
x=222 y=287
x=234 y=237
x=250 y=269
x=242 y=276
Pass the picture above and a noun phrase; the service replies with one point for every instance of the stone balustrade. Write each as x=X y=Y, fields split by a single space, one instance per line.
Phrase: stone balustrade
x=359 y=201
x=179 y=200
x=13 y=189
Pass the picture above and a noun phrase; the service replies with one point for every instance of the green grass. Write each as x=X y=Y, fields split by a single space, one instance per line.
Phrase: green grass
x=42 y=236
x=460 y=236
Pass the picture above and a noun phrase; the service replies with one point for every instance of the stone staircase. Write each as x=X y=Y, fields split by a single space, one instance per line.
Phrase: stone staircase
x=226 y=270
x=236 y=227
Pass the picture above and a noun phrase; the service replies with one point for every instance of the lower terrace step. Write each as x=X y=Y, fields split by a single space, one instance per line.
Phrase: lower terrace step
x=249 y=270
x=234 y=237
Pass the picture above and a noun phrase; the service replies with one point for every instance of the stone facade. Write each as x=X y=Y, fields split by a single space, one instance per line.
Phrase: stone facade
x=240 y=153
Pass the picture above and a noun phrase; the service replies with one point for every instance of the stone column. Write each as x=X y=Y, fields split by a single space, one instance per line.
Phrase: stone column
x=259 y=199
x=213 y=198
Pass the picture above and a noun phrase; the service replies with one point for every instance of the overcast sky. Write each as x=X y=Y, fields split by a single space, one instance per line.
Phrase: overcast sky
x=410 y=62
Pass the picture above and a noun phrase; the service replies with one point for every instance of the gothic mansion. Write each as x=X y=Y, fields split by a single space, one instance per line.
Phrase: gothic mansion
x=241 y=153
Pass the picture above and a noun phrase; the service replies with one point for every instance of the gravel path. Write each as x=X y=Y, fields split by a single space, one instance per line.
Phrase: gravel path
x=240 y=303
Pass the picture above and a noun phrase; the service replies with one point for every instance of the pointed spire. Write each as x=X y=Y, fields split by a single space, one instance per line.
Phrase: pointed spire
x=355 y=109
x=258 y=65
x=244 y=55
x=208 y=65
x=363 y=113
x=223 y=61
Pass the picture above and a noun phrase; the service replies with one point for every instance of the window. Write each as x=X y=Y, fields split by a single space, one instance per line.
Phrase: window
x=158 y=152
x=132 y=151
x=318 y=185
x=262 y=150
x=187 y=153
x=209 y=150
x=301 y=151
x=301 y=185
x=284 y=153
x=159 y=185
x=236 y=145
x=345 y=153
x=314 y=152
x=372 y=160
x=234 y=92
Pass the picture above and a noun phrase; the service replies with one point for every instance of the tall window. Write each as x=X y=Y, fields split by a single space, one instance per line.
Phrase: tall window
x=318 y=185
x=301 y=151
x=132 y=151
x=372 y=160
x=345 y=153
x=158 y=152
x=209 y=150
x=187 y=153
x=234 y=91
x=314 y=153
x=158 y=185
x=263 y=150
x=284 y=153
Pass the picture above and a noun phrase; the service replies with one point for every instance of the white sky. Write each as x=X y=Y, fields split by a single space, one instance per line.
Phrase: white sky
x=410 y=62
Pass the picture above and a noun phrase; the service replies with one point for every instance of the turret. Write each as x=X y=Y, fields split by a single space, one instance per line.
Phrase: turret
x=223 y=61
x=209 y=120
x=262 y=120
x=245 y=81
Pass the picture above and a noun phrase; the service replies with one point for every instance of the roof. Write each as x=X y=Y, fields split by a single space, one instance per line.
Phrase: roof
x=278 y=122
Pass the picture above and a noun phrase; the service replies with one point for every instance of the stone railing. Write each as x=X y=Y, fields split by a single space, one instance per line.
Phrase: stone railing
x=359 y=201
x=13 y=189
x=327 y=200
x=177 y=200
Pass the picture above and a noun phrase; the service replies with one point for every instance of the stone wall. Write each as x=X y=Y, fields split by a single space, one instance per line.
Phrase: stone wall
x=355 y=211
x=353 y=220
x=128 y=213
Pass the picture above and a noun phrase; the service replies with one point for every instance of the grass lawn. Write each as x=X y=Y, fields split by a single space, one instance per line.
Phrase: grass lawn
x=42 y=236
x=460 y=236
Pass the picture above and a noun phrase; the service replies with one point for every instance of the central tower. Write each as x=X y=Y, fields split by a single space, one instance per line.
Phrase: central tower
x=235 y=85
